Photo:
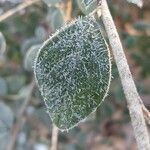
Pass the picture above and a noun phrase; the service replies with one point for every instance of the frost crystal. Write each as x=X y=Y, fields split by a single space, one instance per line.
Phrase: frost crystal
x=73 y=72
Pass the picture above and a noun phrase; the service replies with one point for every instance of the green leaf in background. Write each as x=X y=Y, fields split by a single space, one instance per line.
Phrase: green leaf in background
x=3 y=87
x=4 y=136
x=2 y=44
x=15 y=83
x=142 y=26
x=30 y=57
x=6 y=115
x=73 y=72
x=40 y=33
x=51 y=2
x=28 y=43
x=139 y=3
x=55 y=17
x=87 y=6
x=6 y=122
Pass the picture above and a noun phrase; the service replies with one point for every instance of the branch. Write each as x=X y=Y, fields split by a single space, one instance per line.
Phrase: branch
x=17 y=9
x=54 y=138
x=132 y=96
x=68 y=8
x=20 y=118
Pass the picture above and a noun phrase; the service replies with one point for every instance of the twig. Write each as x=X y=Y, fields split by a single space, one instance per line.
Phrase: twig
x=68 y=15
x=20 y=118
x=17 y=9
x=132 y=96
x=54 y=140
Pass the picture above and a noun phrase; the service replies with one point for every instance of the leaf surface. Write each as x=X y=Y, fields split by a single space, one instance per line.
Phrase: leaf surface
x=73 y=72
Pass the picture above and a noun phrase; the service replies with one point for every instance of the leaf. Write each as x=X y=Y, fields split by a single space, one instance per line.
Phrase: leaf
x=73 y=72
x=6 y=115
x=55 y=17
x=3 y=87
x=139 y=3
x=29 y=43
x=142 y=26
x=51 y=2
x=40 y=33
x=30 y=57
x=15 y=83
x=6 y=122
x=23 y=92
x=87 y=6
x=87 y=2
x=40 y=114
x=4 y=136
x=2 y=44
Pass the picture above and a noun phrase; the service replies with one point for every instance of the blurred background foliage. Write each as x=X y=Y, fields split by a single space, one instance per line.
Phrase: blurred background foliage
x=22 y=34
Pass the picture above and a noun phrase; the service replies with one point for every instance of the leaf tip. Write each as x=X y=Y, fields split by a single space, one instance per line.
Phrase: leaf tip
x=139 y=3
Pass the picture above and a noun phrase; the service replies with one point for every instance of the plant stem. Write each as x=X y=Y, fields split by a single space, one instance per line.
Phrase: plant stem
x=17 y=9
x=133 y=99
x=54 y=140
x=68 y=16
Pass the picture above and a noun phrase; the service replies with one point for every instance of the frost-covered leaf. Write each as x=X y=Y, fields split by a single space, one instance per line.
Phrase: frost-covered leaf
x=55 y=17
x=30 y=57
x=87 y=2
x=73 y=72
x=2 y=44
x=87 y=6
x=139 y=3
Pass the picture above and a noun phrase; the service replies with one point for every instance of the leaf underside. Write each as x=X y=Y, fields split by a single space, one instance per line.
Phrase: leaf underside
x=73 y=72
